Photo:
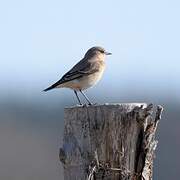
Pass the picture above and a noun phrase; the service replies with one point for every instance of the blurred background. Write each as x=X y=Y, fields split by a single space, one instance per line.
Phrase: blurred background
x=41 y=40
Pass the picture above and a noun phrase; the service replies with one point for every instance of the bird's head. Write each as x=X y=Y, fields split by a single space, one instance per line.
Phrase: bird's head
x=98 y=52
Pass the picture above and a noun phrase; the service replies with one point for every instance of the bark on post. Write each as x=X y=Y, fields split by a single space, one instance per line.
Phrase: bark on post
x=109 y=142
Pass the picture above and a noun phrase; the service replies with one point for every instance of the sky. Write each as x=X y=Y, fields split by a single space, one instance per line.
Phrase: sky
x=41 y=40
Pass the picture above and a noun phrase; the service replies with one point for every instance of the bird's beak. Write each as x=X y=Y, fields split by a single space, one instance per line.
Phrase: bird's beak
x=108 y=53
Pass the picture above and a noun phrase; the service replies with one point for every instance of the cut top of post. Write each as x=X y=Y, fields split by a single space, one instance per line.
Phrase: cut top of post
x=124 y=106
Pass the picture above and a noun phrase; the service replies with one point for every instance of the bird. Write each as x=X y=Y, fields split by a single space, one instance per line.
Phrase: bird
x=85 y=74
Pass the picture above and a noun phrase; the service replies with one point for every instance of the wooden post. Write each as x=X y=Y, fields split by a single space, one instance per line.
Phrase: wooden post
x=109 y=142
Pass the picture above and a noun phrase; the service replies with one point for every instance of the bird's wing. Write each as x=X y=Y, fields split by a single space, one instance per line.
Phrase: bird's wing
x=83 y=68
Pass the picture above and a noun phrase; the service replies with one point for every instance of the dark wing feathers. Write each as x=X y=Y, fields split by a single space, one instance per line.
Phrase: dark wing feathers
x=81 y=69
x=64 y=79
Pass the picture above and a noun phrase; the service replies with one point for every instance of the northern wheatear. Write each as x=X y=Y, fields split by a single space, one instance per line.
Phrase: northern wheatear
x=86 y=73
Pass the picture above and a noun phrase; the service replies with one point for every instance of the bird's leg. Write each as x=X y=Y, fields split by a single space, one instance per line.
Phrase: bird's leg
x=77 y=97
x=87 y=99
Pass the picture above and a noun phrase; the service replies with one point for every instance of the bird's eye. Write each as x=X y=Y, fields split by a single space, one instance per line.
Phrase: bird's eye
x=102 y=51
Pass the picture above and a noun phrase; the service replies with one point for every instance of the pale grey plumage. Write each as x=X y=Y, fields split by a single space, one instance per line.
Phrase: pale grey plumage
x=85 y=73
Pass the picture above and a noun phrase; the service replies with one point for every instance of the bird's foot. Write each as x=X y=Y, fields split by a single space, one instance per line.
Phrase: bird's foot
x=87 y=105
x=92 y=104
x=80 y=105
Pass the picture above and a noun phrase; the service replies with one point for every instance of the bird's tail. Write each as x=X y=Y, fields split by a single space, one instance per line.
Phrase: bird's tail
x=55 y=85
x=49 y=88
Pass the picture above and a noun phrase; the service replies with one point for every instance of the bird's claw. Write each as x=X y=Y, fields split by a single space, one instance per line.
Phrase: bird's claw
x=87 y=105
x=90 y=104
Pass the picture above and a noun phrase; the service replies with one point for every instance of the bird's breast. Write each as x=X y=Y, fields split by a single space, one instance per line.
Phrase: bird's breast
x=86 y=81
x=90 y=80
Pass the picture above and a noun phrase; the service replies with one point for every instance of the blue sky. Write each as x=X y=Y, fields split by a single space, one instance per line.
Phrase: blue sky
x=41 y=40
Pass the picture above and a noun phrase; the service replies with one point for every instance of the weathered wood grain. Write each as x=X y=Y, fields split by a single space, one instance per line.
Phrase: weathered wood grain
x=109 y=142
